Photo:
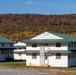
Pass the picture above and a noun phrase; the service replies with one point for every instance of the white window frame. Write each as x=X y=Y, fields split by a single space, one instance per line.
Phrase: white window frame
x=58 y=55
x=34 y=55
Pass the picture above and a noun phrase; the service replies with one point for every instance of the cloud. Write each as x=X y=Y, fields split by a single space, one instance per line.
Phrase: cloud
x=32 y=2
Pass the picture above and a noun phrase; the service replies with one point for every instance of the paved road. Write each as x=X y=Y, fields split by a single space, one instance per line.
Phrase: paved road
x=6 y=71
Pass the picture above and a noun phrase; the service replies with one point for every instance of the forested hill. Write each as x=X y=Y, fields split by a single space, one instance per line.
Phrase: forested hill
x=22 y=26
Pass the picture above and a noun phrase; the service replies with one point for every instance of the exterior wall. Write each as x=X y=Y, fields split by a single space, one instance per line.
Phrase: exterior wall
x=72 y=59
x=19 y=57
x=4 y=54
x=51 y=46
x=72 y=46
x=17 y=50
x=32 y=62
x=63 y=62
x=64 y=46
x=11 y=55
x=52 y=61
x=29 y=47
x=6 y=45
x=23 y=56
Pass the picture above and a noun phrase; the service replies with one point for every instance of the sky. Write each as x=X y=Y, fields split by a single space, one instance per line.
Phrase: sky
x=38 y=6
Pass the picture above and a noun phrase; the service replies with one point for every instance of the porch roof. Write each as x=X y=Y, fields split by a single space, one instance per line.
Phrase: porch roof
x=32 y=51
x=27 y=51
x=50 y=51
x=60 y=51
x=23 y=52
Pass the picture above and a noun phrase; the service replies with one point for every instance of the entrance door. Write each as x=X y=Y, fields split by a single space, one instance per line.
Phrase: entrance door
x=44 y=54
x=46 y=58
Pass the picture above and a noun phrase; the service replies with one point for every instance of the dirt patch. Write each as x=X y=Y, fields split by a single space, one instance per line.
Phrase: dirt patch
x=58 y=72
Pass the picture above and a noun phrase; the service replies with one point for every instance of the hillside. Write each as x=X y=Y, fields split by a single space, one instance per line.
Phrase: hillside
x=22 y=26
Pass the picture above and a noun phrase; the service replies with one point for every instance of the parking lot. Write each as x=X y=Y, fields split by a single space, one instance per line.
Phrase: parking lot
x=7 y=71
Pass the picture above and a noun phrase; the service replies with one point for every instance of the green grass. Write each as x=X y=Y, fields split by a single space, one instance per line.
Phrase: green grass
x=22 y=64
x=13 y=64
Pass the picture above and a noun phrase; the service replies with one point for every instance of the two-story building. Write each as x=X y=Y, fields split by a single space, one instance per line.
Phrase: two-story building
x=51 y=49
x=19 y=51
x=6 y=49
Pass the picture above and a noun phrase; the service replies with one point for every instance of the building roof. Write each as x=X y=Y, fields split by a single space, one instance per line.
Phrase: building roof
x=5 y=40
x=50 y=37
x=20 y=45
x=23 y=52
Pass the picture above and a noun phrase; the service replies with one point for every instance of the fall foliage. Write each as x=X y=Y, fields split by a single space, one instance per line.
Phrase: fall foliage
x=23 y=26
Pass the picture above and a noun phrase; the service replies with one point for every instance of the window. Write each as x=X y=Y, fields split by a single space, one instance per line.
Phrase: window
x=34 y=55
x=19 y=48
x=58 y=55
x=19 y=54
x=10 y=44
x=69 y=45
x=46 y=56
x=2 y=44
x=58 y=44
x=72 y=56
x=2 y=52
x=11 y=52
x=34 y=45
x=75 y=55
x=46 y=44
x=68 y=56
x=74 y=44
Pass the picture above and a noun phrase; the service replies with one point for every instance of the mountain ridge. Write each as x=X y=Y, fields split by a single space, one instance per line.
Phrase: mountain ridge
x=23 y=26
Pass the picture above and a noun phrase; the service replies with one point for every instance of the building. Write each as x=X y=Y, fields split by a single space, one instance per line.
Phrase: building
x=19 y=52
x=51 y=49
x=6 y=49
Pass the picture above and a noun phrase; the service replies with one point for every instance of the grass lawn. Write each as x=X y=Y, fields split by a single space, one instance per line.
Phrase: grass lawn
x=51 y=70
x=13 y=64
x=22 y=64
